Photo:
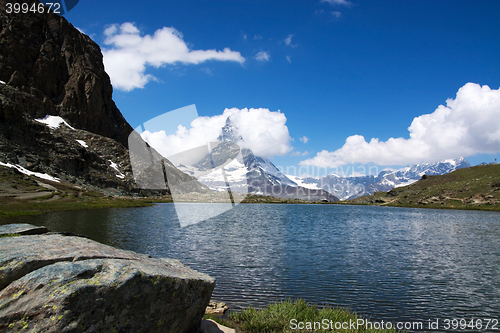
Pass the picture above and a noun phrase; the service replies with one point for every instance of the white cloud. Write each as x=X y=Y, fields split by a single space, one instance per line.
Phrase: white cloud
x=298 y=153
x=263 y=131
x=129 y=53
x=289 y=59
x=208 y=71
x=288 y=41
x=262 y=56
x=336 y=14
x=304 y=139
x=257 y=37
x=467 y=125
x=338 y=2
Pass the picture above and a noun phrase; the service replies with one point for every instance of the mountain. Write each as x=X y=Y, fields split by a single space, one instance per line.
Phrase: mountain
x=476 y=187
x=354 y=187
x=240 y=170
x=57 y=116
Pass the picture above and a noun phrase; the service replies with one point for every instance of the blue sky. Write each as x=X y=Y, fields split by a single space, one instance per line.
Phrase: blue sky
x=335 y=69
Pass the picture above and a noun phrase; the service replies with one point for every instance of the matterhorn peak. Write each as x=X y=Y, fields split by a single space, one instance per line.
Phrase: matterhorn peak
x=229 y=133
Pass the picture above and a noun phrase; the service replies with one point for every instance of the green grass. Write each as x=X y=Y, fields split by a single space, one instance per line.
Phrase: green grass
x=13 y=208
x=282 y=316
x=10 y=235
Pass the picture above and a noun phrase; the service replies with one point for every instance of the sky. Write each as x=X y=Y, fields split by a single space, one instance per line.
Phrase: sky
x=317 y=86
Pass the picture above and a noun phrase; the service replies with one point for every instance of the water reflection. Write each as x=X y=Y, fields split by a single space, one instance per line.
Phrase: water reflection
x=387 y=263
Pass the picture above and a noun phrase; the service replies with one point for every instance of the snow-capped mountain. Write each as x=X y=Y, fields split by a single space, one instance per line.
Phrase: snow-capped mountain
x=354 y=187
x=229 y=167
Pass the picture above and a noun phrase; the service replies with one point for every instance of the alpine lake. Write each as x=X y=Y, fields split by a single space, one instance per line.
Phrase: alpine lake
x=385 y=263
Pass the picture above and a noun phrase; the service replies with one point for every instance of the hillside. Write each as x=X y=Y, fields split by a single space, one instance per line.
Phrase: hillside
x=469 y=188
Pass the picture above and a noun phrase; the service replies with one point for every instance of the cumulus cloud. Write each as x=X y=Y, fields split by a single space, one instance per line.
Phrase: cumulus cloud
x=338 y=2
x=129 y=54
x=304 y=139
x=263 y=56
x=467 y=125
x=263 y=131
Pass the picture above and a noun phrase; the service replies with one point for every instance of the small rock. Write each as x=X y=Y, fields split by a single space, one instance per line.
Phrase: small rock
x=210 y=326
x=216 y=308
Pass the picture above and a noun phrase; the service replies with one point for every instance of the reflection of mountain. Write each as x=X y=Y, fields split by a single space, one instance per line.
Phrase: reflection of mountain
x=244 y=172
x=354 y=187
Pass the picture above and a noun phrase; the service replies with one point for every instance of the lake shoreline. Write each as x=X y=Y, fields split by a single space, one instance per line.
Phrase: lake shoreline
x=22 y=207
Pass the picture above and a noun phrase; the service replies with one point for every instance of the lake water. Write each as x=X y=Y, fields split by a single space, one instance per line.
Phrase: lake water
x=391 y=264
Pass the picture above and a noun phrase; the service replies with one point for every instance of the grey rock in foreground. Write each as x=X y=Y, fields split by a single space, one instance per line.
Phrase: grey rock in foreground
x=22 y=229
x=56 y=283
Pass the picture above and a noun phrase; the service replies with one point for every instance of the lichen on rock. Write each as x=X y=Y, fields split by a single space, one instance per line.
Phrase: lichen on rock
x=57 y=283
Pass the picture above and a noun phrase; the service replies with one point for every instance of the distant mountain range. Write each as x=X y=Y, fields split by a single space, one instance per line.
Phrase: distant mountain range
x=476 y=187
x=347 y=188
x=258 y=175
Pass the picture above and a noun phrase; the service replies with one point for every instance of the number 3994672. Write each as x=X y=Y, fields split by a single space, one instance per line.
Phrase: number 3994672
x=40 y=8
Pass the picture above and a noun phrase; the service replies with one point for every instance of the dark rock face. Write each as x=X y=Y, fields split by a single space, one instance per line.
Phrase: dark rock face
x=49 y=68
x=56 y=283
x=60 y=71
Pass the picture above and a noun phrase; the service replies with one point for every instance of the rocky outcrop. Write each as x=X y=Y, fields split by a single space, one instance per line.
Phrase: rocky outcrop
x=56 y=283
x=45 y=57
x=47 y=67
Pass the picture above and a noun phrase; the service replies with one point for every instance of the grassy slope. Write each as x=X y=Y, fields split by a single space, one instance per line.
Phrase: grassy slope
x=471 y=188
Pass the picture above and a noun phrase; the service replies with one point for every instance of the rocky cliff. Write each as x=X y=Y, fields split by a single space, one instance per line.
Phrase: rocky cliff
x=59 y=71
x=49 y=68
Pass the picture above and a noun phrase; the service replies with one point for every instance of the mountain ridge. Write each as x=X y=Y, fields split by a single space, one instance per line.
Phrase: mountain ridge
x=348 y=188
x=246 y=172
x=476 y=187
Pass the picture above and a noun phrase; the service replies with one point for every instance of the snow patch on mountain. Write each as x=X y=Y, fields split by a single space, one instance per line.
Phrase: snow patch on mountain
x=30 y=173
x=305 y=182
x=83 y=143
x=53 y=121
x=233 y=175
x=115 y=166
